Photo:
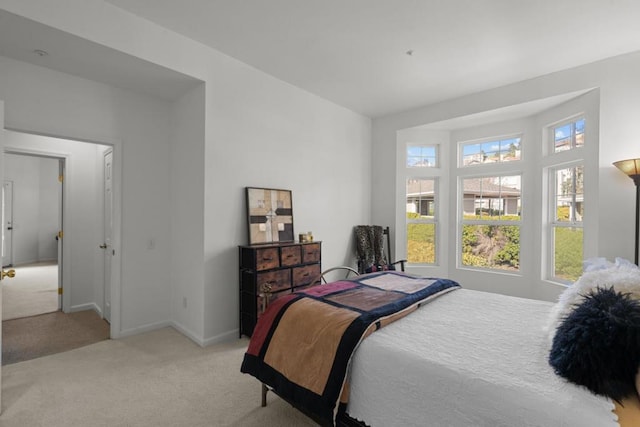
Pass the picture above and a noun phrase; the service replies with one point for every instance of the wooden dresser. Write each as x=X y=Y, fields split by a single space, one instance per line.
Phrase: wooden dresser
x=284 y=267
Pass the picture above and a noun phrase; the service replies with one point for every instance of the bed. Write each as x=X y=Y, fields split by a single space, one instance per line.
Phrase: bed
x=447 y=357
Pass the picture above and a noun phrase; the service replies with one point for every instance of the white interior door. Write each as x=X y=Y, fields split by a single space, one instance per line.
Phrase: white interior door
x=1 y=263
x=108 y=231
x=7 y=227
x=60 y=237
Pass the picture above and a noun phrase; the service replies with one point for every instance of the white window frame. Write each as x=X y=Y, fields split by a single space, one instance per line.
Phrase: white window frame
x=426 y=173
x=417 y=144
x=536 y=146
x=551 y=162
x=552 y=221
x=420 y=137
x=489 y=171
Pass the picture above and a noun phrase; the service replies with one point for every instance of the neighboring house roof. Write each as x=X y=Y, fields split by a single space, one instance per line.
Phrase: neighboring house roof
x=472 y=186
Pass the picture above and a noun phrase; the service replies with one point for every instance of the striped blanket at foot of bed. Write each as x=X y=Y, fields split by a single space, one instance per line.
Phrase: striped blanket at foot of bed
x=302 y=344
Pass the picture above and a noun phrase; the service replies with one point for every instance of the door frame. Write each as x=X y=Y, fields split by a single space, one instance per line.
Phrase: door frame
x=64 y=202
x=60 y=200
x=4 y=229
x=106 y=284
x=116 y=262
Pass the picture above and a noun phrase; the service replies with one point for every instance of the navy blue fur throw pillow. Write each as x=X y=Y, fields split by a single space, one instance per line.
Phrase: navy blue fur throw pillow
x=597 y=345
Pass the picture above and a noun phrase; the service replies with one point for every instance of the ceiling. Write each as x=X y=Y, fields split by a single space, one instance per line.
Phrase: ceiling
x=355 y=52
x=20 y=38
x=379 y=57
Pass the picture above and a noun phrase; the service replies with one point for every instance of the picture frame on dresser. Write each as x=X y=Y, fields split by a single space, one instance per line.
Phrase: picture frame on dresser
x=269 y=215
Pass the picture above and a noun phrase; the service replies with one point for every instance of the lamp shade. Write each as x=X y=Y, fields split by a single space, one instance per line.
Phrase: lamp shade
x=630 y=166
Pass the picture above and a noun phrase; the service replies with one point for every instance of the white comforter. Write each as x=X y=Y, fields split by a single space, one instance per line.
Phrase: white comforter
x=468 y=358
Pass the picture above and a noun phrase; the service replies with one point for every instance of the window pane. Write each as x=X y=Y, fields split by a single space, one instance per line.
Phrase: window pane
x=569 y=196
x=491 y=246
x=421 y=246
x=567 y=258
x=491 y=152
x=492 y=198
x=510 y=149
x=421 y=156
x=498 y=151
x=562 y=138
x=568 y=136
x=471 y=154
x=580 y=133
x=421 y=198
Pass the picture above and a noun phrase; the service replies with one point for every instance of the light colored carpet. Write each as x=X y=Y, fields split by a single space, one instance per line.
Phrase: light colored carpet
x=160 y=378
x=33 y=291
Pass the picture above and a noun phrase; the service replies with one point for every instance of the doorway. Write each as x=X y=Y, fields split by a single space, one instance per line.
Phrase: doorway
x=31 y=243
x=82 y=165
x=74 y=166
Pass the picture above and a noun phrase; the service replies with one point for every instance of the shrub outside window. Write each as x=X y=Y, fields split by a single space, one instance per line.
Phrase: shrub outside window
x=491 y=219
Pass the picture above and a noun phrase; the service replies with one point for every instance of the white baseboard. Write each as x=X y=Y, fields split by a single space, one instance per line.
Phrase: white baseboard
x=84 y=307
x=220 y=338
x=145 y=328
x=188 y=333
x=225 y=337
x=33 y=261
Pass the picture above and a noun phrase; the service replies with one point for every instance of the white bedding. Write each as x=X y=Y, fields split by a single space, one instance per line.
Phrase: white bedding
x=468 y=358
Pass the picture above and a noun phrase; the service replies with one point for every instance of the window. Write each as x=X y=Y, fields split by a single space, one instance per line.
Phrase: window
x=495 y=151
x=421 y=220
x=566 y=201
x=568 y=136
x=491 y=216
x=510 y=203
x=421 y=198
x=566 y=222
x=422 y=156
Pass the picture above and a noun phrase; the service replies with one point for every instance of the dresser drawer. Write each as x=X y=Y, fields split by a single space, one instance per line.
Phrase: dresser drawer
x=311 y=253
x=305 y=274
x=290 y=255
x=267 y=258
x=279 y=280
x=285 y=267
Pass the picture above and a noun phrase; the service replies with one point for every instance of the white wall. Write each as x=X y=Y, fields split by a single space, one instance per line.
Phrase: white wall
x=186 y=164
x=270 y=134
x=26 y=188
x=619 y=109
x=35 y=207
x=48 y=102
x=187 y=213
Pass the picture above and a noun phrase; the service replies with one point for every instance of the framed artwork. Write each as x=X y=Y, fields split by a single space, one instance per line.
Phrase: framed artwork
x=269 y=215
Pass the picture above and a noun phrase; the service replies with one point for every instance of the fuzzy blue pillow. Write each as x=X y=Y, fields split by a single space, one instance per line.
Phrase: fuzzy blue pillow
x=597 y=345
